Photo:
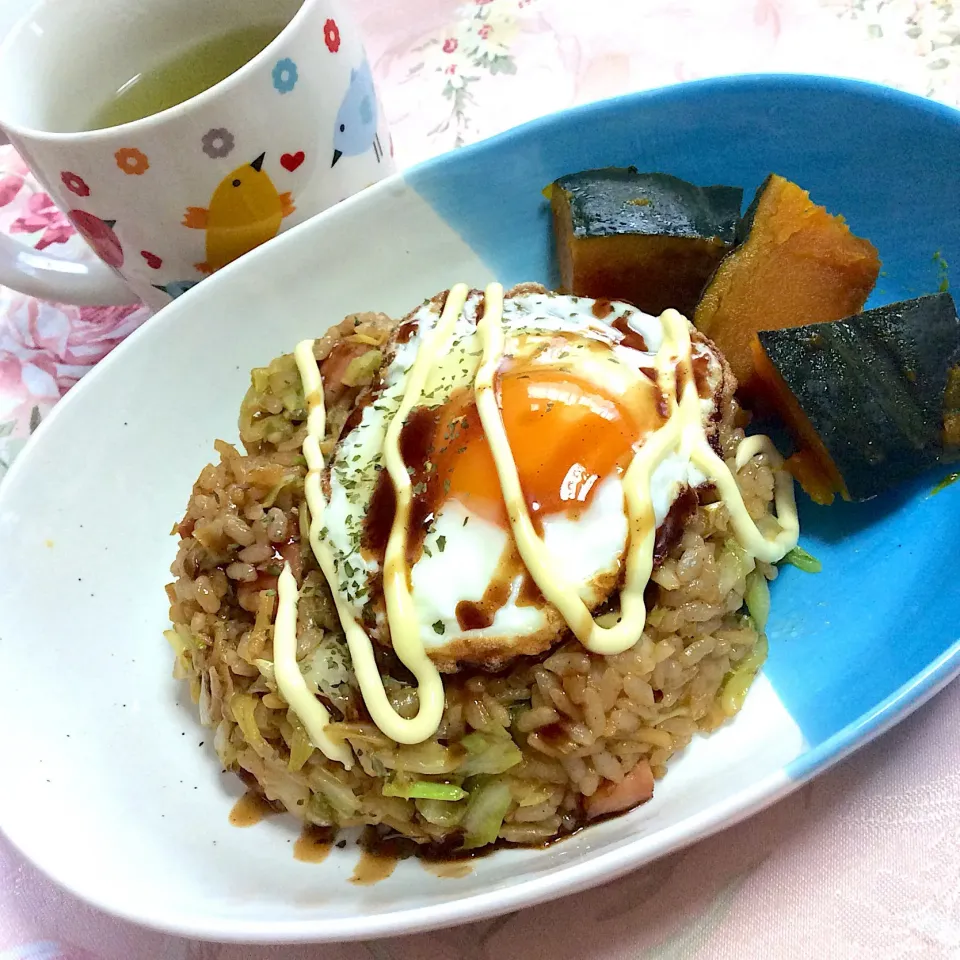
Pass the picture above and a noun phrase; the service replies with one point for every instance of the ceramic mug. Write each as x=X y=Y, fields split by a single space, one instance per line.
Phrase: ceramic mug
x=168 y=199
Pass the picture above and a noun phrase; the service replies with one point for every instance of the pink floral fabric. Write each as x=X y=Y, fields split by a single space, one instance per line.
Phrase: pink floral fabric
x=862 y=863
x=44 y=347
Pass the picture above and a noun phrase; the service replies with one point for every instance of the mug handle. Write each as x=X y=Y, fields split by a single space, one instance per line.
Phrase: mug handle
x=49 y=277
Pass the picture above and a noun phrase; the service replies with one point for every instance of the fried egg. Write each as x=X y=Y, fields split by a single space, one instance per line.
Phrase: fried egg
x=578 y=395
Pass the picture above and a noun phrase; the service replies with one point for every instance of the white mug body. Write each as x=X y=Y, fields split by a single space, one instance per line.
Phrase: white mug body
x=166 y=200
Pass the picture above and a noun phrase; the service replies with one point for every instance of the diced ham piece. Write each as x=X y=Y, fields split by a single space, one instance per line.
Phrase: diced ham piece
x=334 y=366
x=635 y=788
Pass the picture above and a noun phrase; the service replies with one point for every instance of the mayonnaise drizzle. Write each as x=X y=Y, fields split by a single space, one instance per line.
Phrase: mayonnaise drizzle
x=682 y=432
x=312 y=713
x=401 y=613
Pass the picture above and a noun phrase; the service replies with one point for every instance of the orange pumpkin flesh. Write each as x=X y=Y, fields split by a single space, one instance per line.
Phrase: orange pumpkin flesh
x=951 y=413
x=798 y=265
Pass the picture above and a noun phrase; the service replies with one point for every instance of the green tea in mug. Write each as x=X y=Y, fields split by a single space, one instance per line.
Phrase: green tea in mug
x=184 y=76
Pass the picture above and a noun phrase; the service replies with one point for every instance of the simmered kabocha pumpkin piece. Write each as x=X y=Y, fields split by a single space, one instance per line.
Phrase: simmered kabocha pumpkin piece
x=647 y=238
x=870 y=400
x=797 y=264
x=951 y=413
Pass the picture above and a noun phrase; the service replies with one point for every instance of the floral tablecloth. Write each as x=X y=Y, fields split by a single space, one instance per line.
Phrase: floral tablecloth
x=862 y=863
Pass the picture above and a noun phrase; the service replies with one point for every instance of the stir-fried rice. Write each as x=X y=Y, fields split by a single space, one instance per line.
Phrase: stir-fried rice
x=538 y=749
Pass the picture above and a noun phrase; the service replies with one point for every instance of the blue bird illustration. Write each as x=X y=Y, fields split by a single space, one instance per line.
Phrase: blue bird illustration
x=356 y=127
x=176 y=288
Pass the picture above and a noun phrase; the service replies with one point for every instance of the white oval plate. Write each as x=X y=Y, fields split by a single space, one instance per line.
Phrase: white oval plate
x=109 y=783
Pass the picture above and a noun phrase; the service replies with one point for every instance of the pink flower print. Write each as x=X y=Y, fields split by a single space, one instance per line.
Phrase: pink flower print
x=62 y=342
x=10 y=187
x=449 y=45
x=43 y=214
x=35 y=326
x=75 y=183
x=29 y=381
x=77 y=336
x=485 y=31
x=95 y=331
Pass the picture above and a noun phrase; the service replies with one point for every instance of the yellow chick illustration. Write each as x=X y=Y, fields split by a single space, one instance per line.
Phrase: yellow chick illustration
x=245 y=211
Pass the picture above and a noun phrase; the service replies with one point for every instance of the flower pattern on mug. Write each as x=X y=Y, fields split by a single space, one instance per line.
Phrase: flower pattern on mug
x=131 y=160
x=285 y=75
x=217 y=142
x=331 y=35
x=75 y=183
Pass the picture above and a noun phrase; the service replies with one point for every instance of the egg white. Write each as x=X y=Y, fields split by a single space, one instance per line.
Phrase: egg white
x=460 y=559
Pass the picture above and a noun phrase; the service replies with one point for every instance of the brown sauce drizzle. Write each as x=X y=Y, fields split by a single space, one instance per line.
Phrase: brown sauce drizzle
x=379 y=857
x=372 y=867
x=356 y=414
x=555 y=737
x=314 y=844
x=250 y=809
x=447 y=869
x=671 y=530
x=447 y=858
x=416 y=448
x=631 y=338
x=405 y=331
x=480 y=614
x=701 y=367
x=379 y=518
x=530 y=595
x=602 y=308
x=680 y=378
x=448 y=851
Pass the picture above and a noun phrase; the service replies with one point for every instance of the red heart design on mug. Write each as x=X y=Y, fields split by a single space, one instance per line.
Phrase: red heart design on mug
x=153 y=261
x=290 y=161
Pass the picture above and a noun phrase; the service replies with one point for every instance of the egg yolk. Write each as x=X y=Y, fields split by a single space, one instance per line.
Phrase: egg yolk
x=566 y=435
